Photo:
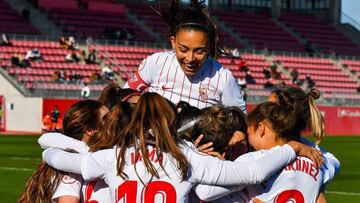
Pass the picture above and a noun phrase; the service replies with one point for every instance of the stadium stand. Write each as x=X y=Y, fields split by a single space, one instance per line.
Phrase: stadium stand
x=97 y=24
x=12 y=22
x=260 y=30
x=329 y=78
x=40 y=74
x=320 y=33
x=149 y=16
x=256 y=27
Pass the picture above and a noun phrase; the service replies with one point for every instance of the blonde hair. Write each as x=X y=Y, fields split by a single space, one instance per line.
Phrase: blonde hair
x=317 y=121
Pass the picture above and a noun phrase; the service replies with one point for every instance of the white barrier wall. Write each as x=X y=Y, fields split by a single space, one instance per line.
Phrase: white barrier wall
x=21 y=113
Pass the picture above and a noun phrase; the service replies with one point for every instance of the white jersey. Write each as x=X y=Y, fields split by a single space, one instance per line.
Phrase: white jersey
x=73 y=184
x=299 y=180
x=212 y=85
x=95 y=191
x=141 y=187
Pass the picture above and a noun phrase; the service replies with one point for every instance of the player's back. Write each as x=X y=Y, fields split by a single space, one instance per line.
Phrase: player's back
x=141 y=186
x=299 y=180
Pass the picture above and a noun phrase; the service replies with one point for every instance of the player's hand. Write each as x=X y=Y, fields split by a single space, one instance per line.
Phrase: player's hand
x=309 y=152
x=218 y=155
x=255 y=200
x=205 y=148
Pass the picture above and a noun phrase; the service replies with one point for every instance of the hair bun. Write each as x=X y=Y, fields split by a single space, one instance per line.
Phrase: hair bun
x=314 y=93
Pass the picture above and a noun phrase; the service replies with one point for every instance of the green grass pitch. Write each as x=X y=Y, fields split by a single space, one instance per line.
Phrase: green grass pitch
x=20 y=155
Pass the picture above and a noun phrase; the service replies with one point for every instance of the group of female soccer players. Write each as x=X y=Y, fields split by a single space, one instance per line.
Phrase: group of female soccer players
x=188 y=138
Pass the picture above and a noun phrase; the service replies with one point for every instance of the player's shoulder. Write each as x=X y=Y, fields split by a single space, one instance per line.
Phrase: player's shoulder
x=220 y=69
x=160 y=56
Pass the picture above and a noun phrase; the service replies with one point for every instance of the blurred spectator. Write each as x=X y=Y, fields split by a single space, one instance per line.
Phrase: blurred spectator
x=82 y=57
x=64 y=44
x=85 y=91
x=72 y=76
x=242 y=84
x=25 y=13
x=274 y=73
x=55 y=114
x=130 y=35
x=244 y=68
x=120 y=35
x=34 y=55
x=47 y=123
x=309 y=82
x=294 y=76
x=95 y=77
x=235 y=54
x=269 y=84
x=108 y=73
x=72 y=43
x=92 y=59
x=309 y=48
x=73 y=56
x=19 y=61
x=89 y=41
x=266 y=72
x=62 y=76
x=5 y=40
x=358 y=90
x=55 y=76
x=249 y=78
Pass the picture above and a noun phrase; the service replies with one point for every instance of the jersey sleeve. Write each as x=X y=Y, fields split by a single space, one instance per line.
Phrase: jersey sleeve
x=58 y=140
x=142 y=78
x=62 y=160
x=95 y=165
x=70 y=185
x=232 y=95
x=209 y=193
x=90 y=165
x=209 y=170
x=212 y=192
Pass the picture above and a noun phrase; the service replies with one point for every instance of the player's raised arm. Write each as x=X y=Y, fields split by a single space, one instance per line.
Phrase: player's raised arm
x=58 y=140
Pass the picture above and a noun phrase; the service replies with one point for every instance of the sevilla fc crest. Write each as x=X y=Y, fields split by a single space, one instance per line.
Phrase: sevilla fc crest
x=204 y=92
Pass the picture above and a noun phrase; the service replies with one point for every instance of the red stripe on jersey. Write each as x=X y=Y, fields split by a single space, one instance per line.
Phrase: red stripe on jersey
x=157 y=59
x=182 y=87
x=202 y=79
x=211 y=70
x=190 y=90
x=217 y=84
x=172 y=89
x=137 y=83
x=167 y=75
x=161 y=71
x=89 y=190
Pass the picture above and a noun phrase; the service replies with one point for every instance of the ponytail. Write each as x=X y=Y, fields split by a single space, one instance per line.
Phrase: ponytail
x=316 y=121
x=307 y=113
x=153 y=121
